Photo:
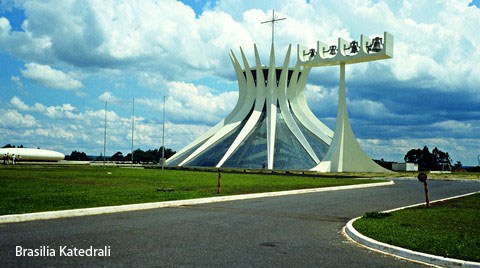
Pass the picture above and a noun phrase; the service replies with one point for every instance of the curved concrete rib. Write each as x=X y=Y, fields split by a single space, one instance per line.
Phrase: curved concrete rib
x=231 y=121
x=242 y=95
x=284 y=109
x=257 y=112
x=298 y=103
x=271 y=109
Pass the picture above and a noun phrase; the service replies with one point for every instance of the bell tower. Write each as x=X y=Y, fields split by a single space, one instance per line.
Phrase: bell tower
x=345 y=154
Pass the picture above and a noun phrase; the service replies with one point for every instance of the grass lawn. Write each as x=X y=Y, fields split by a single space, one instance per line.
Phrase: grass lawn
x=25 y=188
x=449 y=229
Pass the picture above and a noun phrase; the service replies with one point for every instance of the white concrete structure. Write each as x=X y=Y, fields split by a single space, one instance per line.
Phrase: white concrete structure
x=271 y=125
x=404 y=167
x=28 y=154
x=345 y=154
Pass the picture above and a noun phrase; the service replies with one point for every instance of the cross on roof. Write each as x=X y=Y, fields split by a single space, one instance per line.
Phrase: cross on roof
x=272 y=22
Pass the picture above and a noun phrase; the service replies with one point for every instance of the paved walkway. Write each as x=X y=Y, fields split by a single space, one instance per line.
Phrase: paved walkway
x=289 y=231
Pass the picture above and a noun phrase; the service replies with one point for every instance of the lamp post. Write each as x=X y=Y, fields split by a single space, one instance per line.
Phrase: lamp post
x=133 y=123
x=163 y=135
x=345 y=154
x=105 y=135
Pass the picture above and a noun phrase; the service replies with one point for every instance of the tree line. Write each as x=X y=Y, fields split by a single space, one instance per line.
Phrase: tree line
x=143 y=156
x=426 y=160
x=435 y=160
x=139 y=156
x=13 y=146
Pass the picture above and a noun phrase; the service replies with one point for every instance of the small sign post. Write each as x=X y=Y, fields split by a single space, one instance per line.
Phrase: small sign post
x=219 y=184
x=423 y=178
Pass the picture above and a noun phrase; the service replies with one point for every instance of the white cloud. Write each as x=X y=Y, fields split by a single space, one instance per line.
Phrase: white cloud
x=322 y=101
x=108 y=97
x=368 y=108
x=167 y=36
x=59 y=133
x=19 y=104
x=64 y=111
x=49 y=77
x=453 y=125
x=15 y=79
x=187 y=102
x=68 y=126
x=178 y=136
x=127 y=35
x=39 y=107
x=57 y=112
x=15 y=120
x=5 y=27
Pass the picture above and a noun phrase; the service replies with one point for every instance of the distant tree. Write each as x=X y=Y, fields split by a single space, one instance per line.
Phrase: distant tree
x=118 y=156
x=385 y=164
x=426 y=160
x=413 y=156
x=140 y=156
x=99 y=158
x=473 y=169
x=12 y=146
x=150 y=156
x=168 y=153
x=77 y=156
x=458 y=165
x=443 y=159
x=128 y=157
x=158 y=153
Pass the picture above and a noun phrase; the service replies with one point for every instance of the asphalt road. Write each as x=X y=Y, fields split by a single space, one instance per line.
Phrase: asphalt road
x=290 y=231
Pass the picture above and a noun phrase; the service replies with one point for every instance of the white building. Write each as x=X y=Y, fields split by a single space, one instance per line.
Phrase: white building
x=30 y=154
x=404 y=167
x=272 y=126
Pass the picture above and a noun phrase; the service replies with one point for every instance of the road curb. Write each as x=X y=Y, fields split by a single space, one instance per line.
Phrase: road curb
x=404 y=253
x=143 y=206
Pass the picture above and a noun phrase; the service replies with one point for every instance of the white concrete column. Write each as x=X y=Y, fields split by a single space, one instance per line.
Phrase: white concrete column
x=345 y=154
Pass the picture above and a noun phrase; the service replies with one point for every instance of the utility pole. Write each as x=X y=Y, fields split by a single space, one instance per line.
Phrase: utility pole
x=133 y=123
x=163 y=135
x=105 y=135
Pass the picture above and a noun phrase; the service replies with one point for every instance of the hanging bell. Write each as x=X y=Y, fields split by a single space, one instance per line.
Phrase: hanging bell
x=353 y=47
x=333 y=50
x=310 y=53
x=376 y=44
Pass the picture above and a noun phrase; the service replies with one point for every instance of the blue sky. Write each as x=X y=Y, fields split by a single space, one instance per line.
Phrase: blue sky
x=61 y=60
